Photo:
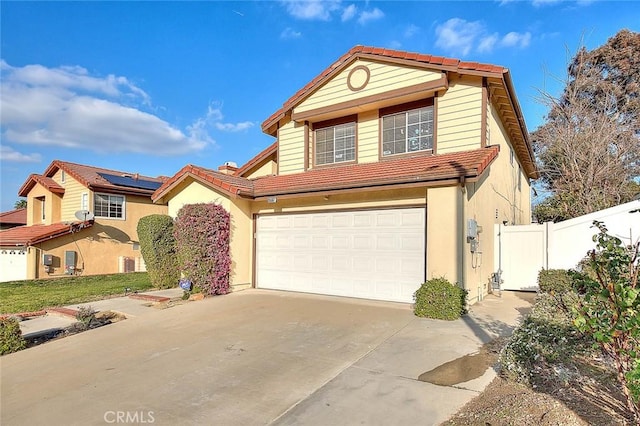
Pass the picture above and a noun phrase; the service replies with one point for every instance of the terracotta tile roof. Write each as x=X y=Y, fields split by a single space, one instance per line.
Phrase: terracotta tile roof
x=438 y=62
x=88 y=176
x=407 y=170
x=47 y=182
x=263 y=155
x=29 y=235
x=423 y=168
x=228 y=184
x=14 y=217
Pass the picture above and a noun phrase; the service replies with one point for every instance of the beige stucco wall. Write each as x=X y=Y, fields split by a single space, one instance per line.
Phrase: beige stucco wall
x=495 y=198
x=240 y=245
x=52 y=206
x=268 y=168
x=459 y=115
x=383 y=78
x=99 y=247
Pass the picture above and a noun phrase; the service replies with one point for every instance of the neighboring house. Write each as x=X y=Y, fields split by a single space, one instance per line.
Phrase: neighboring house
x=13 y=218
x=80 y=220
x=388 y=168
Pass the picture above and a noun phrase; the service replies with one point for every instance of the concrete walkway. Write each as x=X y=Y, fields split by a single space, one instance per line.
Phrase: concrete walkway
x=252 y=358
x=123 y=305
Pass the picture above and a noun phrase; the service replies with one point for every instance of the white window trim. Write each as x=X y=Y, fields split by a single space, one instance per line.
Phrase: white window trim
x=124 y=206
x=63 y=177
x=84 y=201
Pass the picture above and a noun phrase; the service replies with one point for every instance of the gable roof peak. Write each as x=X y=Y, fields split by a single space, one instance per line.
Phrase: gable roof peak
x=370 y=52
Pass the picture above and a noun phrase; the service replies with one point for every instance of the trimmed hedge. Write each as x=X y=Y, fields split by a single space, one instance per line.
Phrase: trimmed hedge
x=439 y=299
x=555 y=281
x=11 y=339
x=158 y=247
x=202 y=233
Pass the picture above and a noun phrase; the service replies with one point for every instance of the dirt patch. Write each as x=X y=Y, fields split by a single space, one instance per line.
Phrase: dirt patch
x=465 y=368
x=583 y=393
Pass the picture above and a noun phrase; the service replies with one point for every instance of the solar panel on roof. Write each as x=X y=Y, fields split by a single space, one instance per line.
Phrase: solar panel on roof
x=130 y=182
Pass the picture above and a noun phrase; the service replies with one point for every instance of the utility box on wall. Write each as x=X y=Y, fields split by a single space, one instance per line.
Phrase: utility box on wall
x=47 y=259
x=69 y=262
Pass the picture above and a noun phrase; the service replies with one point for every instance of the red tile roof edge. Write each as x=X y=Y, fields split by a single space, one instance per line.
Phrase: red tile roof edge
x=264 y=154
x=477 y=169
x=235 y=186
x=45 y=181
x=229 y=184
x=450 y=63
x=50 y=232
x=17 y=216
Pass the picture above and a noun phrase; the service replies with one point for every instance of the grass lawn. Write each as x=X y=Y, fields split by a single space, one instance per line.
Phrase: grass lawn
x=33 y=295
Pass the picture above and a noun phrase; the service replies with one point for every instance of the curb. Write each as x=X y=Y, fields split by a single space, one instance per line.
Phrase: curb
x=149 y=297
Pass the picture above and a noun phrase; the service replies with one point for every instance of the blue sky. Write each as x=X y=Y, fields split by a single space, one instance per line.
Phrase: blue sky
x=151 y=86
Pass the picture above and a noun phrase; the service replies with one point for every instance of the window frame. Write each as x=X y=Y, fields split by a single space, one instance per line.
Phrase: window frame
x=96 y=197
x=406 y=108
x=323 y=125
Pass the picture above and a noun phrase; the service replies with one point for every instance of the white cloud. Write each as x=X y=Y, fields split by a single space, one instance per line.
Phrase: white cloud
x=234 y=127
x=411 y=30
x=460 y=37
x=538 y=3
x=488 y=43
x=289 y=33
x=214 y=118
x=349 y=12
x=514 y=39
x=69 y=107
x=10 y=155
x=370 y=15
x=312 y=9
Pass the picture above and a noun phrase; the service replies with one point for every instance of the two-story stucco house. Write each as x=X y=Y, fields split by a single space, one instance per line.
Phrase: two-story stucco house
x=388 y=168
x=80 y=220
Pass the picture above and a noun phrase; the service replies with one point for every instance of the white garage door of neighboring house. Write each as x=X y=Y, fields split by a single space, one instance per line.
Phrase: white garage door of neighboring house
x=13 y=265
x=370 y=254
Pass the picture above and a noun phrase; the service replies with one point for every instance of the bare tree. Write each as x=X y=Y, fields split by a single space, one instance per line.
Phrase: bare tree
x=588 y=150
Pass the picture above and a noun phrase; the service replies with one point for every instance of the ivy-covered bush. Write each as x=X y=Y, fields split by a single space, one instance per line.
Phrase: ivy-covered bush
x=158 y=247
x=555 y=281
x=11 y=339
x=439 y=299
x=202 y=233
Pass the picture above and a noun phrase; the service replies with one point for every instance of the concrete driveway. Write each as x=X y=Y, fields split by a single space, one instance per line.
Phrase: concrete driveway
x=250 y=358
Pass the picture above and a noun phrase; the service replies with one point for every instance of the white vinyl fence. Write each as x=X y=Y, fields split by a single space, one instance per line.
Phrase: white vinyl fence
x=523 y=250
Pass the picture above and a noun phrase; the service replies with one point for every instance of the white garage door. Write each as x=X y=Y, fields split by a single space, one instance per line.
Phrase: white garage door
x=373 y=254
x=13 y=265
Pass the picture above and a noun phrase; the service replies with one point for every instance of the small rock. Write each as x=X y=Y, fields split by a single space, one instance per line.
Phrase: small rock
x=197 y=296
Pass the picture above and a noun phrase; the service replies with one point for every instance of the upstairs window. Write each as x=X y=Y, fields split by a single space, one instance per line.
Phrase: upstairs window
x=407 y=131
x=335 y=143
x=108 y=206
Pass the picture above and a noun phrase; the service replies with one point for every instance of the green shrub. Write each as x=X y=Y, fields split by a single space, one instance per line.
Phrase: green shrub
x=439 y=299
x=11 y=339
x=554 y=281
x=158 y=248
x=546 y=336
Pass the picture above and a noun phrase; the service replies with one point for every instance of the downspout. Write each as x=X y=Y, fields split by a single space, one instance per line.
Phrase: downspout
x=463 y=239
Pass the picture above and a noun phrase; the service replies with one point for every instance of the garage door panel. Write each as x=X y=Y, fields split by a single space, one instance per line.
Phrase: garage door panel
x=375 y=254
x=13 y=265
